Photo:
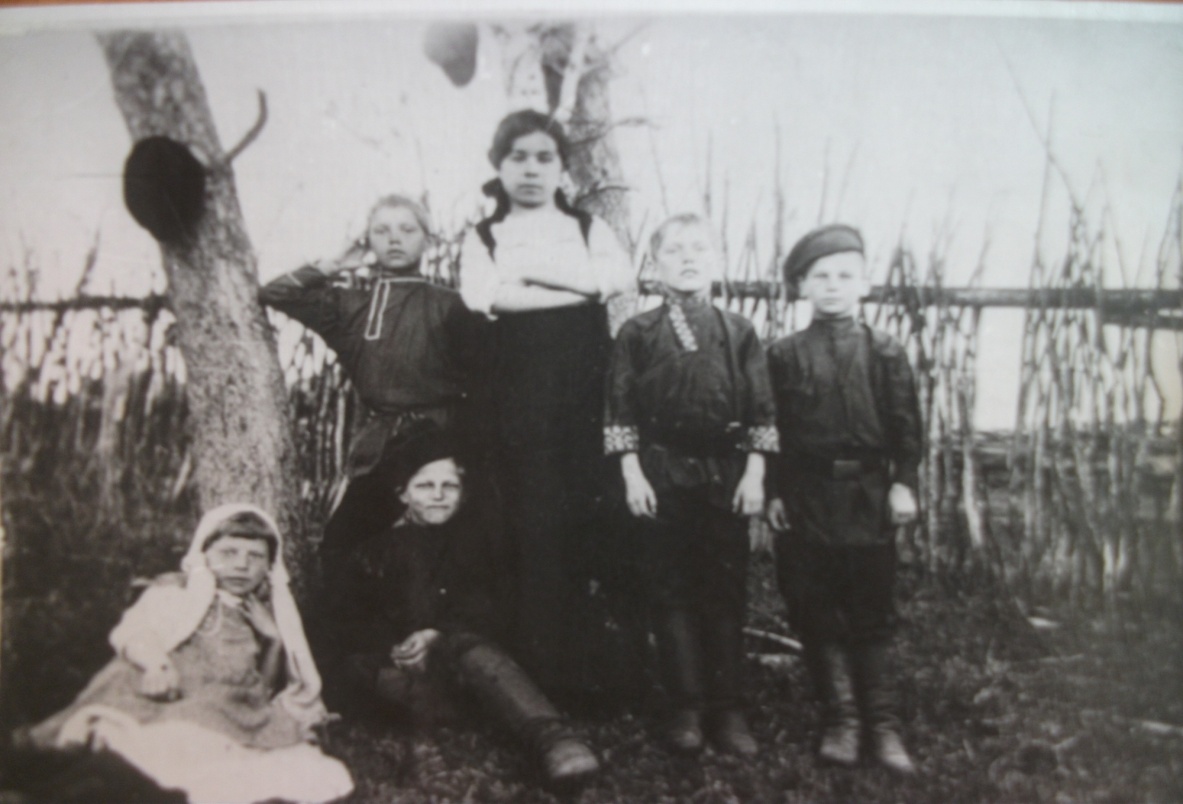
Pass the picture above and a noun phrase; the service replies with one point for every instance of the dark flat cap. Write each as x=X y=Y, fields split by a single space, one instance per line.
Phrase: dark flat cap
x=417 y=445
x=823 y=241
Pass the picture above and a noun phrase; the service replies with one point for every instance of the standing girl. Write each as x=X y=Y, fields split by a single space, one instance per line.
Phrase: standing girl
x=543 y=271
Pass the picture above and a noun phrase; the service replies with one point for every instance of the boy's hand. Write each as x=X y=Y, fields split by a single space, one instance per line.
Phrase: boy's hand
x=411 y=653
x=642 y=500
x=777 y=517
x=352 y=258
x=901 y=502
x=749 y=494
x=161 y=681
x=260 y=619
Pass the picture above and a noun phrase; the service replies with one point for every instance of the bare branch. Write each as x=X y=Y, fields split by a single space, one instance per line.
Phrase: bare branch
x=251 y=135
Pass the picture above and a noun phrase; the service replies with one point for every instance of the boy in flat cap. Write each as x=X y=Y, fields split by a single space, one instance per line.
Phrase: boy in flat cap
x=850 y=431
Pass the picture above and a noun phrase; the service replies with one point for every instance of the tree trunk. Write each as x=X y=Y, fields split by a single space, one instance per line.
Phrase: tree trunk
x=243 y=446
x=595 y=162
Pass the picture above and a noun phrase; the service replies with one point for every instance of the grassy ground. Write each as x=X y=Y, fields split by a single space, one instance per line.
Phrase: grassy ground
x=995 y=710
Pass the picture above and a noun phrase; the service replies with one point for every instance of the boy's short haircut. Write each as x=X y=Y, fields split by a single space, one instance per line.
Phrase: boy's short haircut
x=522 y=124
x=244 y=526
x=834 y=238
x=683 y=219
x=396 y=201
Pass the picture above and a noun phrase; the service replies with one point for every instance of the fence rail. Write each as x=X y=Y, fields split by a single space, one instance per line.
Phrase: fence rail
x=1117 y=301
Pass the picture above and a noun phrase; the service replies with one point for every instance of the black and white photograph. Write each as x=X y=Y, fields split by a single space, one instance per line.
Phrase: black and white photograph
x=591 y=402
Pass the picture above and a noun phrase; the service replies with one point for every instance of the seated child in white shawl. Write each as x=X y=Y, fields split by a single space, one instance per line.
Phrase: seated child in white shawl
x=213 y=690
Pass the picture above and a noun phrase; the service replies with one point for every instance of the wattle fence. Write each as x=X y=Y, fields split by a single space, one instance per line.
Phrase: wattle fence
x=1080 y=499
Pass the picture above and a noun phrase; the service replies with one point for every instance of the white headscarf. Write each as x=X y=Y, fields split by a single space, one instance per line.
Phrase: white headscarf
x=166 y=616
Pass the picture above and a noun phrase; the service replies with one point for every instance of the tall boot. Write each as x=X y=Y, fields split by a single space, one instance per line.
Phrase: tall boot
x=828 y=665
x=722 y=640
x=877 y=701
x=679 y=656
x=507 y=692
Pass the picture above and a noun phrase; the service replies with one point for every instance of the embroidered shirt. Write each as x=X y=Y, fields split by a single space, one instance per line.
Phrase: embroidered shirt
x=691 y=369
x=688 y=389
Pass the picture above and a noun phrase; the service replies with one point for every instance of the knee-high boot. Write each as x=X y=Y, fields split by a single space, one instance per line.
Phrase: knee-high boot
x=877 y=701
x=722 y=640
x=679 y=655
x=503 y=688
x=830 y=671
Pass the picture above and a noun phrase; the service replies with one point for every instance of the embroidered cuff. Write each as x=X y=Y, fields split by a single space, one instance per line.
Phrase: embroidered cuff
x=762 y=438
x=621 y=438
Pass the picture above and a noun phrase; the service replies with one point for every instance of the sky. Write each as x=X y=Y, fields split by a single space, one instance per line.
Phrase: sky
x=905 y=124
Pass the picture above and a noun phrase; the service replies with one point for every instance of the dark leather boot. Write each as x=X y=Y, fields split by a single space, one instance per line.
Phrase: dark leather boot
x=566 y=759
x=679 y=657
x=722 y=639
x=682 y=731
x=507 y=692
x=877 y=701
x=730 y=734
x=830 y=669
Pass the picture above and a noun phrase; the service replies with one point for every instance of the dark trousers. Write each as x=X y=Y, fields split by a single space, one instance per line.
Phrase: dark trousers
x=696 y=559
x=368 y=506
x=457 y=672
x=837 y=594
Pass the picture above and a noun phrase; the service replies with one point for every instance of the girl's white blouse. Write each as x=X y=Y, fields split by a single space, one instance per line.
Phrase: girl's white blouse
x=542 y=243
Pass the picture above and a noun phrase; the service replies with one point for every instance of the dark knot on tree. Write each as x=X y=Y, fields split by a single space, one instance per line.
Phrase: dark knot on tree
x=164 y=188
x=164 y=182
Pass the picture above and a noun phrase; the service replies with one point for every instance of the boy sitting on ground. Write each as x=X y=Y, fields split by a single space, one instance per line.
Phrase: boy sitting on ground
x=416 y=613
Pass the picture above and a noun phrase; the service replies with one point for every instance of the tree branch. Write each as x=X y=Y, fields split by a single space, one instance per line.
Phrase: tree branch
x=250 y=136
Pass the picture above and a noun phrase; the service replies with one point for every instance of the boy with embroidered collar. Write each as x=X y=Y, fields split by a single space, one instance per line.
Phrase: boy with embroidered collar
x=690 y=413
x=846 y=478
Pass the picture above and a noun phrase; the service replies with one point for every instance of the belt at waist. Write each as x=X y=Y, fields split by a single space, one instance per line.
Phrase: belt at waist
x=696 y=443
x=846 y=467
